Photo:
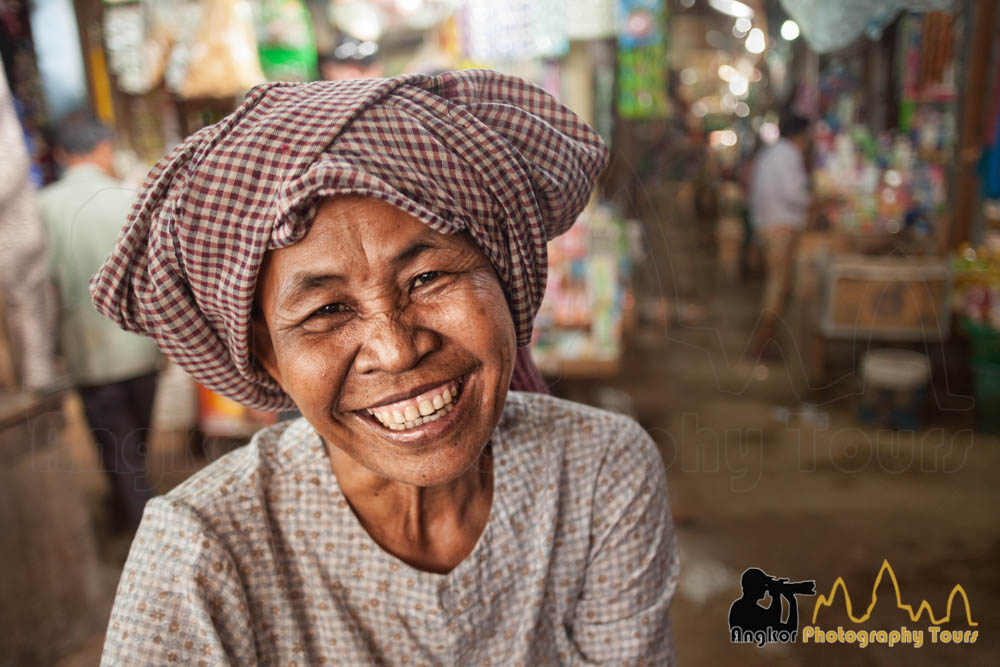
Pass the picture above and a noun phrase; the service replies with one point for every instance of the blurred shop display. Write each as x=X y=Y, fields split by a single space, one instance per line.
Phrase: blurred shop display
x=888 y=184
x=886 y=298
x=220 y=417
x=198 y=48
x=875 y=269
x=588 y=298
x=977 y=284
x=642 y=59
x=895 y=388
x=985 y=363
x=977 y=303
x=221 y=58
x=23 y=75
x=286 y=44
x=829 y=26
x=497 y=31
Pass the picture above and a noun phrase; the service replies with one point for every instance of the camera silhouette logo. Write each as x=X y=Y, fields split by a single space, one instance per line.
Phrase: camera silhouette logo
x=750 y=622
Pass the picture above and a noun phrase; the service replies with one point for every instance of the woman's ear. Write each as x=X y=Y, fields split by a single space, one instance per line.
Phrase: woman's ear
x=262 y=347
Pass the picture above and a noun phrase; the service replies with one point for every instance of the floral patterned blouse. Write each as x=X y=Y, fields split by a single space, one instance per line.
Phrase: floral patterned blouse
x=258 y=559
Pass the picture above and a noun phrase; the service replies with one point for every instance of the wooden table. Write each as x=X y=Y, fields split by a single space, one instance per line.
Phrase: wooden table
x=842 y=295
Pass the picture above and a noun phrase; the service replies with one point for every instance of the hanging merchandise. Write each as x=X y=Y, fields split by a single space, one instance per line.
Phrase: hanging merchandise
x=879 y=184
x=642 y=59
x=285 y=41
x=829 y=26
x=989 y=166
x=139 y=37
x=21 y=68
x=222 y=60
x=927 y=65
x=515 y=31
x=591 y=19
x=364 y=21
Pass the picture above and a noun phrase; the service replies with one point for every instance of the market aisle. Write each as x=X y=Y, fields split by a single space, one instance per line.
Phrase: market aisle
x=758 y=480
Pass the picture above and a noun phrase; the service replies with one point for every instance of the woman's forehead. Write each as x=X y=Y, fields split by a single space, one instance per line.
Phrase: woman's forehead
x=351 y=237
x=364 y=228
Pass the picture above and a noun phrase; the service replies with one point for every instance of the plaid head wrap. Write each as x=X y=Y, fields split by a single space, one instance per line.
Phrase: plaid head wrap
x=473 y=150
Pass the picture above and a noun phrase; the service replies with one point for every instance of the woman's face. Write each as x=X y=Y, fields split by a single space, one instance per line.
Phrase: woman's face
x=394 y=341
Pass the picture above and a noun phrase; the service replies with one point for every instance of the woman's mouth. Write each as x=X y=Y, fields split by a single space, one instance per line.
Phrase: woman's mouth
x=418 y=410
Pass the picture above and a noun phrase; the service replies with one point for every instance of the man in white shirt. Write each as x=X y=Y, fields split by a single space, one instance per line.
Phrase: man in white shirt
x=779 y=209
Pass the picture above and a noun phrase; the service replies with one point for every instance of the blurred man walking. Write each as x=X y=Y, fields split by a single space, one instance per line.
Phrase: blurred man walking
x=114 y=371
x=779 y=210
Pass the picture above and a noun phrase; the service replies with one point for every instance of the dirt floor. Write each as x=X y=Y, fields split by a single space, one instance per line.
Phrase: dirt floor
x=760 y=478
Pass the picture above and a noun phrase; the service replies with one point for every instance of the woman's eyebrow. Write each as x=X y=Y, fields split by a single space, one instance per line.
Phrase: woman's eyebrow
x=301 y=283
x=418 y=247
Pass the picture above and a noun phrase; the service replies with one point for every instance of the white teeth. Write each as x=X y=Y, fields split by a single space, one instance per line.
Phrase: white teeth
x=425 y=412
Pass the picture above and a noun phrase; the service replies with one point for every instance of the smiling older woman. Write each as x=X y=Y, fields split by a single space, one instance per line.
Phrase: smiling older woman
x=373 y=253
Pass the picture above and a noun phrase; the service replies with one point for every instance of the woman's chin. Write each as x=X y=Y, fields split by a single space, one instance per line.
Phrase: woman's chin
x=429 y=454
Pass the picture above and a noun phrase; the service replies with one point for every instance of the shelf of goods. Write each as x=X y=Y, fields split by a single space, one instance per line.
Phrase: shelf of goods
x=976 y=300
x=578 y=330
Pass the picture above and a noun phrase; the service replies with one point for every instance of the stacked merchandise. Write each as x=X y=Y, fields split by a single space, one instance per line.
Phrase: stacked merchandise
x=513 y=31
x=888 y=181
x=976 y=298
x=883 y=184
x=927 y=64
x=642 y=59
x=285 y=41
x=578 y=330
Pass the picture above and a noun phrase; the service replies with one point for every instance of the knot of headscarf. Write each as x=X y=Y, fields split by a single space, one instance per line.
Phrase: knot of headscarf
x=473 y=150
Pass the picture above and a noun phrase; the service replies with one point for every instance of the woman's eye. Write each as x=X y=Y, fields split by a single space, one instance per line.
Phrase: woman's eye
x=425 y=278
x=332 y=309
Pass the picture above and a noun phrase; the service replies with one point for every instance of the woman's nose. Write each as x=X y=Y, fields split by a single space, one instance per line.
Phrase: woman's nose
x=392 y=345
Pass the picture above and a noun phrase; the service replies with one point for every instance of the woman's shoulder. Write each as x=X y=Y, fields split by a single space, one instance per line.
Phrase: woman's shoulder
x=583 y=429
x=545 y=409
x=248 y=470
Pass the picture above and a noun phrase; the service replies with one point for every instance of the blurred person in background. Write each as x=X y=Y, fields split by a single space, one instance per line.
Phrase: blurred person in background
x=114 y=371
x=26 y=289
x=780 y=201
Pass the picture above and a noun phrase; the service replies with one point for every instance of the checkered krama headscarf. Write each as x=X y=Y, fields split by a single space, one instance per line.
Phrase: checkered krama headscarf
x=473 y=150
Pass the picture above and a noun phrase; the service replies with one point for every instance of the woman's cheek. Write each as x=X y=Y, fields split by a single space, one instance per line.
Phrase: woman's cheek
x=477 y=325
x=308 y=362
